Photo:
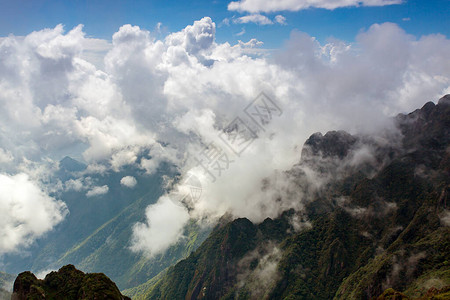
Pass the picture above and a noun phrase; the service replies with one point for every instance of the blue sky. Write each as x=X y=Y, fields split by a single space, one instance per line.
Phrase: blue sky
x=103 y=17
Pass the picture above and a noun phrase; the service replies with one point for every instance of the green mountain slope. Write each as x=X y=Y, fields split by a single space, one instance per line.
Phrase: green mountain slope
x=107 y=249
x=95 y=235
x=376 y=226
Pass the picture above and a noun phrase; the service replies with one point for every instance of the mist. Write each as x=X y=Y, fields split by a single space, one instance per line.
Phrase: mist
x=176 y=97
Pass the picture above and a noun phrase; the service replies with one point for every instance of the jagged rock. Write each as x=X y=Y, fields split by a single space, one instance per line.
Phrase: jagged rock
x=68 y=283
x=332 y=144
x=444 y=100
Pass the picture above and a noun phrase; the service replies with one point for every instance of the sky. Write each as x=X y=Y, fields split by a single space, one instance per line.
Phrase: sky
x=119 y=84
x=104 y=17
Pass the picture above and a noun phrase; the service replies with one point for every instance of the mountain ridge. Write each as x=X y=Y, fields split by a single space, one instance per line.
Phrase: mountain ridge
x=374 y=226
x=67 y=283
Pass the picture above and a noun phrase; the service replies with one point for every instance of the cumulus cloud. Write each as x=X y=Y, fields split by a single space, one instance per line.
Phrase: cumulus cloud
x=280 y=19
x=171 y=98
x=255 y=6
x=94 y=50
x=74 y=184
x=123 y=157
x=366 y=77
x=26 y=212
x=97 y=191
x=128 y=181
x=165 y=223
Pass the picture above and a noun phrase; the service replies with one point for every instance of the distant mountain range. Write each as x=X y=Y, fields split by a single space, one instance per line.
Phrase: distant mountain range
x=96 y=233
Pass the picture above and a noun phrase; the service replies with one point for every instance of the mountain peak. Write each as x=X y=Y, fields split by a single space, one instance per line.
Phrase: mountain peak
x=444 y=100
x=332 y=144
x=71 y=165
x=67 y=283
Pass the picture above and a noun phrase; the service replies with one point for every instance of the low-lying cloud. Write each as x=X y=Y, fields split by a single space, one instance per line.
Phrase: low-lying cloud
x=26 y=212
x=165 y=224
x=97 y=191
x=128 y=181
x=173 y=97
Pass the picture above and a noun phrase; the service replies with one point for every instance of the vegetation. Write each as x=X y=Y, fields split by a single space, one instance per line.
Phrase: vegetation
x=388 y=237
x=95 y=236
x=66 y=284
x=375 y=231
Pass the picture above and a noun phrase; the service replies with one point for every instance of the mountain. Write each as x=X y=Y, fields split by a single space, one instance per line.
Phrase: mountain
x=69 y=164
x=378 y=224
x=68 y=283
x=95 y=235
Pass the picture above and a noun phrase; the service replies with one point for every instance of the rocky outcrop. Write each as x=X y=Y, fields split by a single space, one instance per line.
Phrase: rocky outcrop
x=68 y=283
x=332 y=144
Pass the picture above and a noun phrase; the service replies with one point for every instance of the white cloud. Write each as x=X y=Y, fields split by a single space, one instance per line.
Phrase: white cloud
x=75 y=185
x=158 y=155
x=194 y=38
x=94 y=51
x=123 y=157
x=251 y=43
x=255 y=6
x=280 y=19
x=80 y=184
x=255 y=18
x=242 y=32
x=172 y=97
x=261 y=279
x=445 y=218
x=365 y=84
x=225 y=22
x=164 y=224
x=128 y=181
x=42 y=273
x=26 y=212
x=66 y=102
x=97 y=191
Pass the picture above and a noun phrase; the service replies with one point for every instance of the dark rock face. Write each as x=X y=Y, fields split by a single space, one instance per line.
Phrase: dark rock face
x=428 y=127
x=23 y=285
x=372 y=234
x=332 y=144
x=68 y=283
x=444 y=100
